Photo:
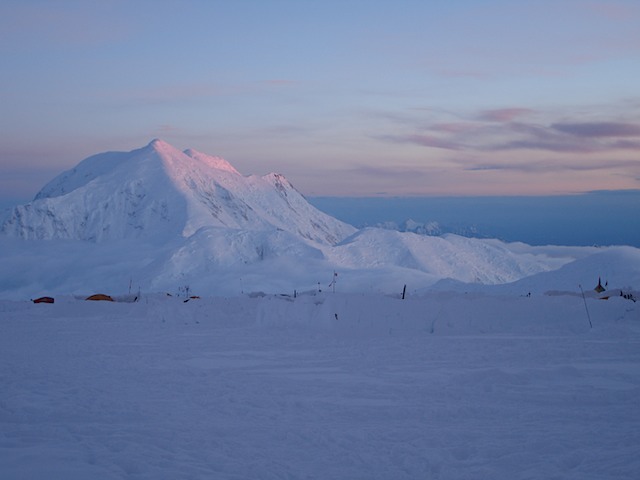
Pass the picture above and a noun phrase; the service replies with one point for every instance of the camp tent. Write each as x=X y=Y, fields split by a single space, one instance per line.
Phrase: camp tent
x=44 y=300
x=100 y=296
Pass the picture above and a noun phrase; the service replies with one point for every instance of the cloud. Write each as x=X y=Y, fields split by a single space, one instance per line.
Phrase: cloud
x=626 y=145
x=551 y=145
x=549 y=165
x=516 y=128
x=423 y=140
x=482 y=137
x=571 y=137
x=599 y=129
x=530 y=136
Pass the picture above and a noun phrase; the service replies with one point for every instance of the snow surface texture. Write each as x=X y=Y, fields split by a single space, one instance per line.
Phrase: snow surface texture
x=158 y=219
x=325 y=386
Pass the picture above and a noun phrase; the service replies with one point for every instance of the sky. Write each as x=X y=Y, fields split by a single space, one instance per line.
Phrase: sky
x=345 y=98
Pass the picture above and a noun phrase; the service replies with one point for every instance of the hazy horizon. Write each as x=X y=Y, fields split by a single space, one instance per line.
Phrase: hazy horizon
x=593 y=218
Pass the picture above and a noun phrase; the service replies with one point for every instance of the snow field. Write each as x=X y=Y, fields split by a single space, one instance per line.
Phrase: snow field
x=331 y=386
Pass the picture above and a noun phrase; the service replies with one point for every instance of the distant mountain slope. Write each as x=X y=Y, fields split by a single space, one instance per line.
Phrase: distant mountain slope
x=447 y=256
x=158 y=192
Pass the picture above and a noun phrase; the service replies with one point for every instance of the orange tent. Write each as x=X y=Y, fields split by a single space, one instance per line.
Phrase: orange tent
x=100 y=296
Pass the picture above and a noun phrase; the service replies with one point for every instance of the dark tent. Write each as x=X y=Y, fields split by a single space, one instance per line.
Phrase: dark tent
x=44 y=300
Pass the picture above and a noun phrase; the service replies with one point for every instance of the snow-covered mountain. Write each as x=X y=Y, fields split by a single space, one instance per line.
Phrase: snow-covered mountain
x=159 y=219
x=158 y=192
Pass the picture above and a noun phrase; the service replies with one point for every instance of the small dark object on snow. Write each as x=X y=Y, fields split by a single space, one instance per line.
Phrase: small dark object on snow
x=44 y=300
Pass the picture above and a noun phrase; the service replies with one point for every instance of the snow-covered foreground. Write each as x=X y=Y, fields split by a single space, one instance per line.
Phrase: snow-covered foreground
x=330 y=386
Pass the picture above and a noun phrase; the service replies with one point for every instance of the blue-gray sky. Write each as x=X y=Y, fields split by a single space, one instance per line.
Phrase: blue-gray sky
x=343 y=97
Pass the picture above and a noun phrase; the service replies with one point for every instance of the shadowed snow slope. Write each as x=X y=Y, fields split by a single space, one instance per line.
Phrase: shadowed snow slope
x=158 y=192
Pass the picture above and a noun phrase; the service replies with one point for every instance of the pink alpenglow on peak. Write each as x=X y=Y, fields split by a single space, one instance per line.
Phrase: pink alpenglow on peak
x=159 y=144
x=215 y=162
x=159 y=192
x=161 y=147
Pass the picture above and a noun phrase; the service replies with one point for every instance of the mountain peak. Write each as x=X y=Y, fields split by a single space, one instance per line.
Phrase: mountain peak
x=157 y=143
x=158 y=191
x=166 y=150
x=154 y=144
x=160 y=146
x=211 y=161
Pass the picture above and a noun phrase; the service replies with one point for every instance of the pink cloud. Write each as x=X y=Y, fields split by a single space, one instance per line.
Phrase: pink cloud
x=506 y=129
